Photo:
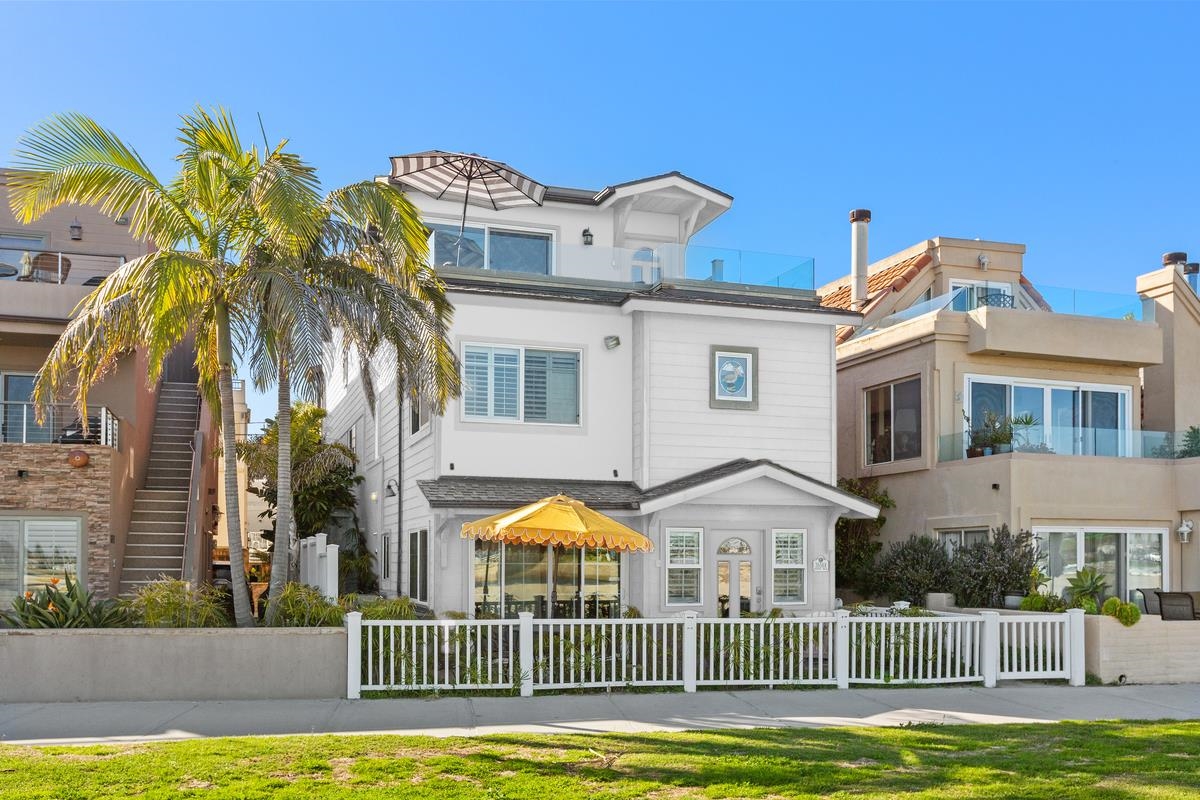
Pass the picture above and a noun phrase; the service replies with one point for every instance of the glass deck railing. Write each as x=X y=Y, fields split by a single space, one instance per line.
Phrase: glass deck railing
x=57 y=267
x=1104 y=442
x=670 y=263
x=1109 y=305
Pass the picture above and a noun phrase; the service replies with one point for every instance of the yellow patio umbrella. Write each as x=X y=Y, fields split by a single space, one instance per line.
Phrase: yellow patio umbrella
x=561 y=521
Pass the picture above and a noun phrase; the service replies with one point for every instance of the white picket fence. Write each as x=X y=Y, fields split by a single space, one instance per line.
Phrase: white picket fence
x=319 y=565
x=529 y=655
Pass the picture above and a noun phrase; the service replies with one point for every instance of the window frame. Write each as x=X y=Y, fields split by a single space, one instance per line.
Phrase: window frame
x=698 y=566
x=802 y=565
x=418 y=565
x=866 y=407
x=490 y=419
x=1124 y=393
x=487 y=228
x=1041 y=535
x=21 y=567
x=423 y=416
x=385 y=553
x=942 y=533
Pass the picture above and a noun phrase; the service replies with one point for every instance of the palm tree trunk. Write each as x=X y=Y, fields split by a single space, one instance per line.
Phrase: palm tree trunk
x=280 y=558
x=233 y=515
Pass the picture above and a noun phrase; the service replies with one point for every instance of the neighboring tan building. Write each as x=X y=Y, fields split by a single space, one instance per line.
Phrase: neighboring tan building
x=1100 y=386
x=111 y=522
x=686 y=391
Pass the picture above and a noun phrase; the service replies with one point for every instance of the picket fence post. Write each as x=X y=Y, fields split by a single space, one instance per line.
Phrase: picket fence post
x=329 y=579
x=353 y=655
x=1077 y=669
x=841 y=648
x=989 y=648
x=689 y=651
x=525 y=639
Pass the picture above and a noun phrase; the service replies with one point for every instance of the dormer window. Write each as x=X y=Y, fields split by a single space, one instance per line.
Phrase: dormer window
x=981 y=293
x=492 y=248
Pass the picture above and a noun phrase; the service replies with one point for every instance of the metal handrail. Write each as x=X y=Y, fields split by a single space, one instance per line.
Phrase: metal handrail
x=62 y=424
x=191 y=530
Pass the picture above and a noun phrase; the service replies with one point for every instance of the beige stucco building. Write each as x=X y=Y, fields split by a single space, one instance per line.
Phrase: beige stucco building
x=1097 y=390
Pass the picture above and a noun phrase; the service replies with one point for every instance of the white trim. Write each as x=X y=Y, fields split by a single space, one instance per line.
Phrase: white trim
x=866 y=419
x=854 y=507
x=520 y=419
x=802 y=566
x=741 y=312
x=424 y=560
x=698 y=566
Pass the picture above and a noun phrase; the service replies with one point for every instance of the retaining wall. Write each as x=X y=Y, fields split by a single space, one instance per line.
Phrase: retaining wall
x=1152 y=651
x=170 y=664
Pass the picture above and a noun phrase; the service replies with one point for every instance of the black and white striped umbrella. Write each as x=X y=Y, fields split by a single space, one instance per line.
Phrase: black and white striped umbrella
x=468 y=178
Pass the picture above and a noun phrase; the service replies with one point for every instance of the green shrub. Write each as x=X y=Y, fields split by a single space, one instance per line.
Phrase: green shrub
x=169 y=603
x=910 y=570
x=1110 y=606
x=1086 y=588
x=388 y=608
x=856 y=541
x=1128 y=614
x=1033 y=602
x=980 y=575
x=70 y=607
x=302 y=606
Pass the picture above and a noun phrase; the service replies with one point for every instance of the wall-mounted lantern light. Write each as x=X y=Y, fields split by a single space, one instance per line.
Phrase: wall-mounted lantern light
x=612 y=342
x=587 y=237
x=1185 y=531
x=76 y=230
x=390 y=489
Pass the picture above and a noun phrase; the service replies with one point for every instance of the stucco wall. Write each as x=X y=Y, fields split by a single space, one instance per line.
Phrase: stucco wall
x=185 y=664
x=1152 y=651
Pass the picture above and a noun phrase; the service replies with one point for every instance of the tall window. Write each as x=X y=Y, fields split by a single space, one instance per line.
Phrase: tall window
x=521 y=385
x=954 y=539
x=32 y=551
x=1049 y=416
x=894 y=422
x=491 y=248
x=418 y=565
x=385 y=556
x=418 y=414
x=684 y=567
x=787 y=566
x=18 y=417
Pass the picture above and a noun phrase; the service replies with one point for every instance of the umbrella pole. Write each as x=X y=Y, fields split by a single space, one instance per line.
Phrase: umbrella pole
x=462 y=227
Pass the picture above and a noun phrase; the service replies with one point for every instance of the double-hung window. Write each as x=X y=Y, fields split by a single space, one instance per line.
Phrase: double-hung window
x=684 y=565
x=418 y=565
x=894 y=422
x=788 y=583
x=487 y=247
x=33 y=550
x=521 y=384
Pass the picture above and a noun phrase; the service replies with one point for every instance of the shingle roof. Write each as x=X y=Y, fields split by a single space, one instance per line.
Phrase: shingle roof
x=468 y=491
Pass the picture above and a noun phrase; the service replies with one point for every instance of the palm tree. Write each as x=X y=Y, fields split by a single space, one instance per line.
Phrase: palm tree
x=222 y=204
x=365 y=275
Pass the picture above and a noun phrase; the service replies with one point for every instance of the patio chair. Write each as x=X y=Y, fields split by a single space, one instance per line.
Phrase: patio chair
x=45 y=269
x=1150 y=599
x=1176 y=605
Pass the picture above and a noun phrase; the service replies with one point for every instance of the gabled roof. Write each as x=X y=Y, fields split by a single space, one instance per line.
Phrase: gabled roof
x=466 y=491
x=564 y=194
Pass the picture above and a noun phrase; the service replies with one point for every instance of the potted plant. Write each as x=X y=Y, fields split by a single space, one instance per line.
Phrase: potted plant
x=980 y=439
x=1001 y=430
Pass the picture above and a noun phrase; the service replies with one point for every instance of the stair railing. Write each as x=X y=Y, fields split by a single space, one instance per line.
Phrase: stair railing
x=191 y=531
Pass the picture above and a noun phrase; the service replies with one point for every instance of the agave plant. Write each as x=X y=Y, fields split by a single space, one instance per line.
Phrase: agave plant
x=1087 y=587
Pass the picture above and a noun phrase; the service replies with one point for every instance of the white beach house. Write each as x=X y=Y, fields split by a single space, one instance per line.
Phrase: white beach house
x=687 y=392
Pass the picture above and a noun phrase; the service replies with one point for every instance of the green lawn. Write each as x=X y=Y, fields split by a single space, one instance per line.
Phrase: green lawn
x=1067 y=760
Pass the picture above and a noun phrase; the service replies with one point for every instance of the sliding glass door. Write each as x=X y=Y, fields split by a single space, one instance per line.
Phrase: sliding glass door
x=548 y=582
x=1127 y=559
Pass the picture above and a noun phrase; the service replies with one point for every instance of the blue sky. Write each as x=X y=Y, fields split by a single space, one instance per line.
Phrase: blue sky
x=1069 y=127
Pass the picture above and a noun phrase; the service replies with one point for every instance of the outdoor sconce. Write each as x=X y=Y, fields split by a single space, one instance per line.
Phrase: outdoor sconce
x=76 y=230
x=587 y=237
x=391 y=489
x=612 y=342
x=1185 y=531
x=77 y=458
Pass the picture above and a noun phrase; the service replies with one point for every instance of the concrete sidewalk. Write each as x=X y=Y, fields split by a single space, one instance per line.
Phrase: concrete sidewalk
x=89 y=723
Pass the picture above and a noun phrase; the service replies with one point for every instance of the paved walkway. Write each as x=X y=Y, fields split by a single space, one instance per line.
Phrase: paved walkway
x=88 y=723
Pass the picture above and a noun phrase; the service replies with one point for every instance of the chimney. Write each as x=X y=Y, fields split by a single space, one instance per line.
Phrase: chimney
x=859 y=218
x=1176 y=260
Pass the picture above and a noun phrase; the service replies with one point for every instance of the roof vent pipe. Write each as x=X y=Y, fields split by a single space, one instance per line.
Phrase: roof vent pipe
x=859 y=218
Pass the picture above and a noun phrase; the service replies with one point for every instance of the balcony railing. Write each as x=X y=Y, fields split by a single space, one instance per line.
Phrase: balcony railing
x=57 y=267
x=672 y=263
x=1072 y=441
x=61 y=423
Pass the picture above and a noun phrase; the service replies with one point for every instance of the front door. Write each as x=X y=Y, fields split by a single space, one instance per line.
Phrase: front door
x=735 y=579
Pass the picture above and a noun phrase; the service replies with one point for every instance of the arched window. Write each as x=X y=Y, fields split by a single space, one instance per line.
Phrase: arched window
x=734 y=546
x=645 y=266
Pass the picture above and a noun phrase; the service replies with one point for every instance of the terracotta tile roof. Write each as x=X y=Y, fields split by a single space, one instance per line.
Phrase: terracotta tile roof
x=889 y=278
